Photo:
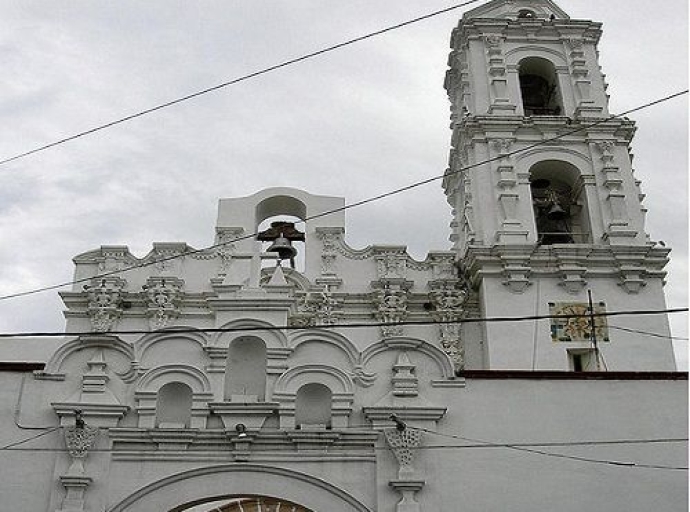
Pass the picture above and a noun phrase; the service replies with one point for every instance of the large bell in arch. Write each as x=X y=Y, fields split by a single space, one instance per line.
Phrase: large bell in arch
x=282 y=234
x=283 y=248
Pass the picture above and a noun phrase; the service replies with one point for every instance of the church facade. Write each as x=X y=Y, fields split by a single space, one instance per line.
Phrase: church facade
x=281 y=369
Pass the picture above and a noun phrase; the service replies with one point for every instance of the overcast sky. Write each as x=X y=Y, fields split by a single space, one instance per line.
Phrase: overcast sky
x=355 y=123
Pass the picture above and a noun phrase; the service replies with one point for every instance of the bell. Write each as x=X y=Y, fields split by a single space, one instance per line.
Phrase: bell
x=556 y=212
x=283 y=248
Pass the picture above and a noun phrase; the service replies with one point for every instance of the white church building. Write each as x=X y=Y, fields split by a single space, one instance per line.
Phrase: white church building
x=282 y=370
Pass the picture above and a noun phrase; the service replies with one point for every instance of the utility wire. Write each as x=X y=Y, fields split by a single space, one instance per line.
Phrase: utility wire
x=353 y=325
x=347 y=206
x=523 y=448
x=17 y=443
x=236 y=81
x=647 y=333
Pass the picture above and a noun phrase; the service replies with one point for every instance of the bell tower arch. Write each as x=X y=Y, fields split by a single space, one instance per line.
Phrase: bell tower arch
x=545 y=201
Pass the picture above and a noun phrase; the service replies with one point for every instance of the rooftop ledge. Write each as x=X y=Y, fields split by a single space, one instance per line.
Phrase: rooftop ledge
x=565 y=375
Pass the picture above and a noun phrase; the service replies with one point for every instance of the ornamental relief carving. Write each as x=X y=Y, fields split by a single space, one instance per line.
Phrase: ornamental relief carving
x=404 y=444
x=104 y=306
x=392 y=265
x=317 y=308
x=79 y=440
x=447 y=301
x=163 y=301
x=391 y=308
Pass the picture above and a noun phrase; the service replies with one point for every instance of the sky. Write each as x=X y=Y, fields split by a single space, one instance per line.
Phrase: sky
x=355 y=123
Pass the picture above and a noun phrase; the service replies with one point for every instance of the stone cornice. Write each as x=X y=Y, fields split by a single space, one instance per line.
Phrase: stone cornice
x=538 y=29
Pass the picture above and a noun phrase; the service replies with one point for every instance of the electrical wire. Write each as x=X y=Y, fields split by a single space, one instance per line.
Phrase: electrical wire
x=17 y=443
x=647 y=333
x=353 y=325
x=345 y=207
x=237 y=80
x=523 y=448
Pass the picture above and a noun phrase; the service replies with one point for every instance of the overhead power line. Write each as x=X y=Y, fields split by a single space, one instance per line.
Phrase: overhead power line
x=372 y=199
x=530 y=447
x=54 y=334
x=647 y=333
x=523 y=448
x=234 y=81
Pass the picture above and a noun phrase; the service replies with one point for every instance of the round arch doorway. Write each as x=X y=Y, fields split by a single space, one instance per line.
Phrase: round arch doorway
x=244 y=504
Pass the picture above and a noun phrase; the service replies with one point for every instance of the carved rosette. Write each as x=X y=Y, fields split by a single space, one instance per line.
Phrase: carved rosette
x=391 y=304
x=163 y=300
x=104 y=302
x=447 y=301
x=403 y=445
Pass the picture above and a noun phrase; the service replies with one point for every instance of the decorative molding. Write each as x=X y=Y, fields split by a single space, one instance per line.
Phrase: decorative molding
x=404 y=445
x=447 y=301
x=391 y=302
x=163 y=295
x=104 y=297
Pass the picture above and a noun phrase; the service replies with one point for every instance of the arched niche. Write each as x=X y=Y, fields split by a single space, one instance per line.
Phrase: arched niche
x=245 y=370
x=561 y=213
x=179 y=491
x=174 y=405
x=313 y=406
x=336 y=380
x=149 y=385
x=539 y=87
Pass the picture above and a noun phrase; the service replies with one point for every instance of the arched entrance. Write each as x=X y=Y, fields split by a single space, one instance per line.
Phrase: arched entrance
x=245 y=504
x=182 y=491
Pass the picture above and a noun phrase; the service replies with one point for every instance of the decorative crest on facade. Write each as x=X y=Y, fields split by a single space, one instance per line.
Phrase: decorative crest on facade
x=317 y=308
x=447 y=301
x=104 y=302
x=391 y=303
x=163 y=300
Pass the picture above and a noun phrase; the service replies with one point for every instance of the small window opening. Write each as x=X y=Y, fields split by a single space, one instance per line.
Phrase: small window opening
x=539 y=88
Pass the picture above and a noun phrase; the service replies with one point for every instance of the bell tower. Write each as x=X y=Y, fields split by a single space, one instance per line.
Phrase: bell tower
x=547 y=209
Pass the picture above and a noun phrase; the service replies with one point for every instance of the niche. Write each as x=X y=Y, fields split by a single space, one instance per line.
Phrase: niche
x=174 y=405
x=313 y=406
x=245 y=373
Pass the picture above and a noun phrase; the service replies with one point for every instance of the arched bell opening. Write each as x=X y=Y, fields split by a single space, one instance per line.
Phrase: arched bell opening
x=174 y=405
x=245 y=504
x=541 y=95
x=278 y=224
x=245 y=374
x=559 y=204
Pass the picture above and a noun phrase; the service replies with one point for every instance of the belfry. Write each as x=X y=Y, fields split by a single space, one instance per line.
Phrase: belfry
x=546 y=204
